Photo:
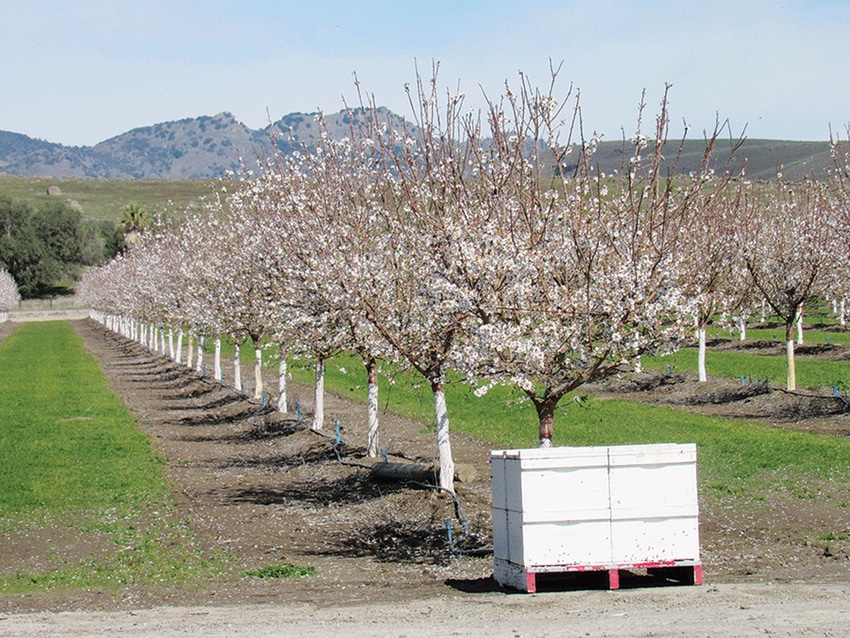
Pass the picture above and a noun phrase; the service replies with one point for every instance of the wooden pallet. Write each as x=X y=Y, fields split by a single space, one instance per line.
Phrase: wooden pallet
x=524 y=578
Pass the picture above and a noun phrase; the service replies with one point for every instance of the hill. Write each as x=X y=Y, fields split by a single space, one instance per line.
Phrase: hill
x=207 y=147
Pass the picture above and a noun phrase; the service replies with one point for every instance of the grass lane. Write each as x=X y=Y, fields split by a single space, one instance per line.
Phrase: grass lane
x=76 y=467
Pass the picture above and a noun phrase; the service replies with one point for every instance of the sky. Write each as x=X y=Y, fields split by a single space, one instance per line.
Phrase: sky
x=79 y=72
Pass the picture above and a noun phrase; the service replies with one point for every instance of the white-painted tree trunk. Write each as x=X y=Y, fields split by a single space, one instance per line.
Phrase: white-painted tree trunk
x=763 y=310
x=199 y=358
x=444 y=447
x=701 y=373
x=179 y=358
x=171 y=343
x=800 y=327
x=189 y=351
x=742 y=328
x=842 y=315
x=372 y=425
x=281 y=379
x=162 y=342
x=237 y=369
x=637 y=364
x=791 y=380
x=319 y=399
x=258 y=373
x=217 y=360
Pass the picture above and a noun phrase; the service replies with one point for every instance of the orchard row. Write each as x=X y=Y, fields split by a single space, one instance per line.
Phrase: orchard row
x=483 y=243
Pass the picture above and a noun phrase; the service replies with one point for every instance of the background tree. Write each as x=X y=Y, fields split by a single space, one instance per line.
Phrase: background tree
x=789 y=247
x=134 y=221
x=9 y=296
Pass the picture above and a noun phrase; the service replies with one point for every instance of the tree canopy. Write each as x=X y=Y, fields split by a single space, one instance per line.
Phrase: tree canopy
x=43 y=246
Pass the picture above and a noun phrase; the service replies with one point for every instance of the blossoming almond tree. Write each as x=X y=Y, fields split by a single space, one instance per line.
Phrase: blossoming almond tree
x=329 y=235
x=409 y=300
x=587 y=279
x=788 y=246
x=707 y=269
x=9 y=296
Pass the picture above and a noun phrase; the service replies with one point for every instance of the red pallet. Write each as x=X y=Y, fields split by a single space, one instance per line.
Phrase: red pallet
x=685 y=572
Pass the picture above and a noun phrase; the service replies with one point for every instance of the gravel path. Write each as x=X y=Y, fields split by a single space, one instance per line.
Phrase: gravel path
x=721 y=610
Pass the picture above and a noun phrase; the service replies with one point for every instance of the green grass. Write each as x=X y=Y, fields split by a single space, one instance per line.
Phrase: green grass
x=810 y=373
x=65 y=438
x=735 y=457
x=74 y=460
x=282 y=570
x=106 y=199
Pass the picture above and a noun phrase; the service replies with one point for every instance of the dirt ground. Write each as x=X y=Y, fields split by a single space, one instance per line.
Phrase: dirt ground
x=263 y=488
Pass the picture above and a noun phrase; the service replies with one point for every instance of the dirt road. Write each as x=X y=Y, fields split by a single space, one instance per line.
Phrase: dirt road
x=721 y=610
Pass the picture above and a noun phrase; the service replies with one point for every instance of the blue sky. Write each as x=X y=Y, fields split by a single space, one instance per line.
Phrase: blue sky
x=78 y=72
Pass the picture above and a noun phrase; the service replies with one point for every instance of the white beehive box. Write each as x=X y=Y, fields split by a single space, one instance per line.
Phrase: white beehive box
x=654 y=507
x=551 y=506
x=592 y=508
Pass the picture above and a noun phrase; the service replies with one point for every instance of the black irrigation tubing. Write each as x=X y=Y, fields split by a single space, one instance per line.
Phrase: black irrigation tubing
x=812 y=396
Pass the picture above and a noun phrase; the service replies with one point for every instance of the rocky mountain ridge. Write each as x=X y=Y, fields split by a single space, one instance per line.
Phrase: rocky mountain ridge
x=208 y=147
x=205 y=147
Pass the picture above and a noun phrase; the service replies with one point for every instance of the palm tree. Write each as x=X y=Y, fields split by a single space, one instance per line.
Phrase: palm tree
x=134 y=221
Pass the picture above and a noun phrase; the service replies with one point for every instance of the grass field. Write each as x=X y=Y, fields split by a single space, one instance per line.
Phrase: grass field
x=106 y=199
x=73 y=459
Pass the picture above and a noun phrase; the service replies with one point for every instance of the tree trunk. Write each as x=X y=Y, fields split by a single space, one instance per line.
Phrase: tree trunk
x=372 y=445
x=319 y=399
x=444 y=446
x=217 y=360
x=178 y=359
x=189 y=351
x=791 y=382
x=237 y=369
x=800 y=327
x=742 y=328
x=199 y=359
x=546 y=417
x=701 y=354
x=842 y=315
x=258 y=372
x=637 y=364
x=171 y=343
x=281 y=380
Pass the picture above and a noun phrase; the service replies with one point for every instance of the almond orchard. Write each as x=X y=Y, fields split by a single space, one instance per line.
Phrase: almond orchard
x=485 y=244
